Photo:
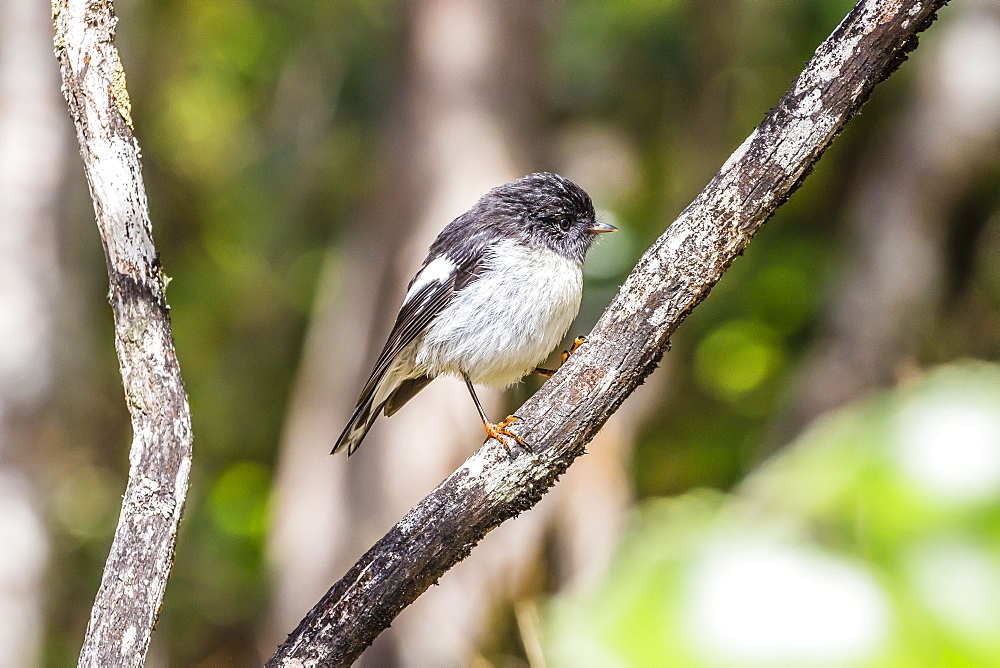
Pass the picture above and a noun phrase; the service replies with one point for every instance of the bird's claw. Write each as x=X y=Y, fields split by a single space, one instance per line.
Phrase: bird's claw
x=579 y=341
x=500 y=429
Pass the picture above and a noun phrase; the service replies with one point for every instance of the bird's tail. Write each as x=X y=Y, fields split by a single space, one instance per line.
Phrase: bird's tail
x=361 y=421
x=370 y=403
x=390 y=392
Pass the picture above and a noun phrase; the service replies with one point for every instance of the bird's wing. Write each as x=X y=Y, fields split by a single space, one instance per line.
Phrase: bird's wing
x=419 y=308
x=453 y=261
x=429 y=293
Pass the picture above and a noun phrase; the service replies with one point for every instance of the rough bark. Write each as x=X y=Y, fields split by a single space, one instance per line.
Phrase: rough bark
x=135 y=574
x=674 y=275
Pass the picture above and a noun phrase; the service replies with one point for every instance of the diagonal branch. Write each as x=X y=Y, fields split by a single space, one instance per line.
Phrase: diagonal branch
x=674 y=275
x=135 y=574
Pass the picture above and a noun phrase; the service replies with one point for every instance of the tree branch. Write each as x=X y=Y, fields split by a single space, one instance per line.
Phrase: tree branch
x=135 y=574
x=674 y=275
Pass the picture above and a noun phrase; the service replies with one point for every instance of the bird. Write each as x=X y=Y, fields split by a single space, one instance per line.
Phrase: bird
x=498 y=291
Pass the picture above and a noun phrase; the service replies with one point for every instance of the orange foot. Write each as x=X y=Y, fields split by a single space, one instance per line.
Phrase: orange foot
x=500 y=429
x=579 y=341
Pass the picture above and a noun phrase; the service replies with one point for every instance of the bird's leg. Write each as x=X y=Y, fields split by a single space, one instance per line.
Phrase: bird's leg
x=579 y=341
x=499 y=429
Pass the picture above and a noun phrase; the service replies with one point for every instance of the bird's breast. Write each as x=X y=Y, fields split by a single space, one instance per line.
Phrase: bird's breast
x=506 y=321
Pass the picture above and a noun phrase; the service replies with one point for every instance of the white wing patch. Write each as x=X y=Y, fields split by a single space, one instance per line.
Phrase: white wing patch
x=437 y=270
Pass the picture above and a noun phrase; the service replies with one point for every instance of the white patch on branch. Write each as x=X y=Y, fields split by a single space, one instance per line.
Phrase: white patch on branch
x=183 y=471
x=635 y=289
x=116 y=182
x=810 y=104
x=609 y=378
x=475 y=465
x=147 y=500
x=739 y=152
x=128 y=639
x=730 y=199
x=661 y=314
x=828 y=65
x=788 y=153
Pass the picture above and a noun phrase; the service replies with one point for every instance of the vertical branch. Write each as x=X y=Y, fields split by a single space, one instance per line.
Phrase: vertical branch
x=135 y=574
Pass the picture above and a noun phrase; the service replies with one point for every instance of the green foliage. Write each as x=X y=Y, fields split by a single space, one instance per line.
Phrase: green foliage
x=871 y=541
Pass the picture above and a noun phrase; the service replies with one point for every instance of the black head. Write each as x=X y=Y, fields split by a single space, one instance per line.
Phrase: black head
x=544 y=210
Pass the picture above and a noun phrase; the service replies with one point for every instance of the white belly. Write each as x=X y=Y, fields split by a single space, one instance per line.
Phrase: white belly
x=507 y=321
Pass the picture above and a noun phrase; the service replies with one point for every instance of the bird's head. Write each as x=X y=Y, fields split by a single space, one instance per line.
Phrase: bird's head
x=548 y=211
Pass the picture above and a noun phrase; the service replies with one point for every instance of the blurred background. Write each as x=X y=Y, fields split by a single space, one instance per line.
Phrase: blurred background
x=812 y=477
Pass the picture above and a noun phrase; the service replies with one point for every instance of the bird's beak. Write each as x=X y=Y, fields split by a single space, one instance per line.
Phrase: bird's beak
x=601 y=228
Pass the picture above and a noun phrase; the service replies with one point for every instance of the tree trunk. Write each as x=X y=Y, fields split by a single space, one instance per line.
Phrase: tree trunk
x=135 y=574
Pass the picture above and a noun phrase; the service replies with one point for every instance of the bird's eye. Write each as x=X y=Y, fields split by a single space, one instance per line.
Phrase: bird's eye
x=565 y=223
